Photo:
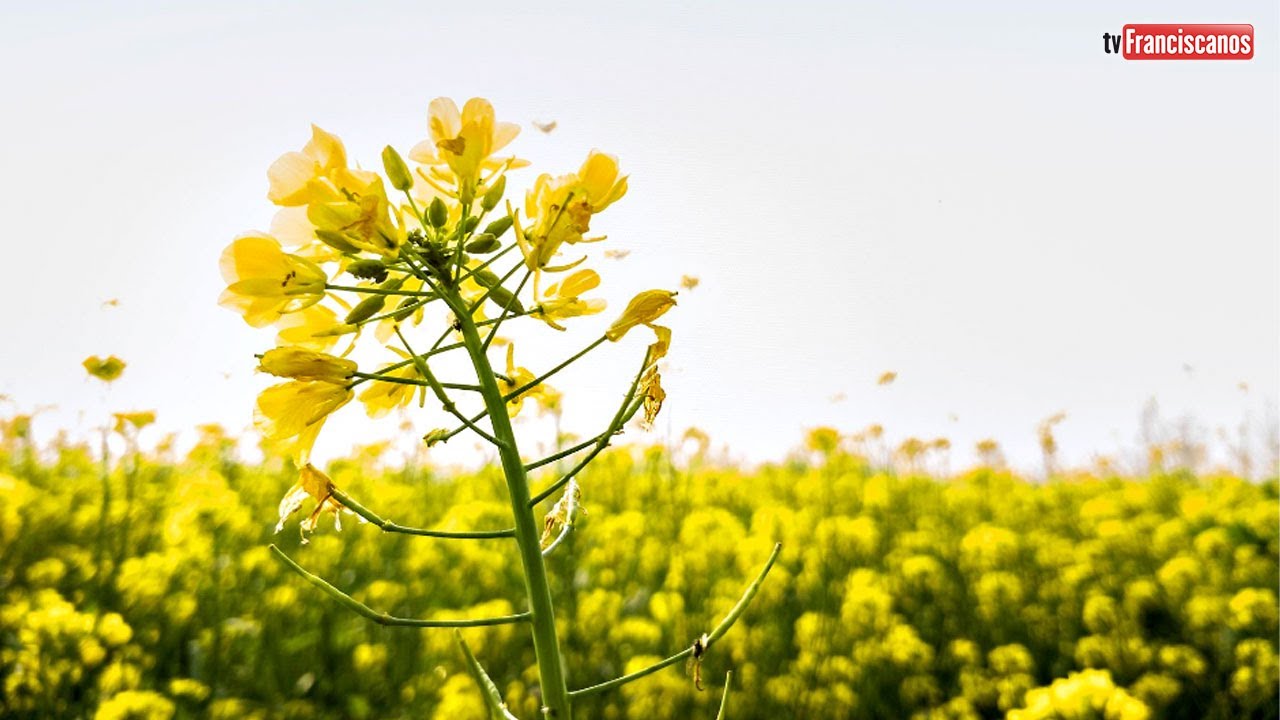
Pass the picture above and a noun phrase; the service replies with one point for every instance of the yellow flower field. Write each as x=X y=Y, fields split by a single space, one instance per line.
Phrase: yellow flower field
x=896 y=594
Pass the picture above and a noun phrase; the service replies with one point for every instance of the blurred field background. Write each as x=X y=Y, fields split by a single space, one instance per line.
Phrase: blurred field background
x=904 y=589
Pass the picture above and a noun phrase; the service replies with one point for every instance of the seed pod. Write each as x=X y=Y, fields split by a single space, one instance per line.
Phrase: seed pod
x=397 y=171
x=505 y=299
x=483 y=243
x=368 y=270
x=487 y=278
x=407 y=307
x=494 y=194
x=471 y=223
x=366 y=309
x=437 y=213
x=499 y=226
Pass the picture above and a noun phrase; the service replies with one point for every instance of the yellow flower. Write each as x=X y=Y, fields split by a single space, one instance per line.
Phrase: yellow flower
x=383 y=396
x=356 y=212
x=315 y=328
x=563 y=299
x=264 y=283
x=106 y=369
x=887 y=378
x=137 y=420
x=661 y=344
x=303 y=364
x=464 y=142
x=293 y=175
x=311 y=484
x=290 y=414
x=643 y=309
x=559 y=209
x=519 y=377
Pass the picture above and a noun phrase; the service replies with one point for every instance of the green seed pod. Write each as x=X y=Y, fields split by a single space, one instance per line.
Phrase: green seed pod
x=487 y=278
x=494 y=195
x=397 y=171
x=499 y=226
x=471 y=224
x=437 y=213
x=483 y=243
x=368 y=270
x=505 y=300
x=366 y=309
x=336 y=240
x=407 y=307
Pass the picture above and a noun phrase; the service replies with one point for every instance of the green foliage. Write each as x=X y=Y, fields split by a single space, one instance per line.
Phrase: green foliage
x=895 y=596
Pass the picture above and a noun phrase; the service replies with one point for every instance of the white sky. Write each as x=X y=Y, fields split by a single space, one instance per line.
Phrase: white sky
x=977 y=198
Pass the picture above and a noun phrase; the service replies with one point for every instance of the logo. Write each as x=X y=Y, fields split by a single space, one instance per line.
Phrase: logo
x=1181 y=42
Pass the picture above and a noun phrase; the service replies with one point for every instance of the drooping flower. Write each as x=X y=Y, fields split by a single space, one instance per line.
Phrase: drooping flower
x=460 y=145
x=293 y=175
x=290 y=415
x=643 y=309
x=263 y=282
x=300 y=363
x=106 y=369
x=315 y=328
x=563 y=300
x=315 y=485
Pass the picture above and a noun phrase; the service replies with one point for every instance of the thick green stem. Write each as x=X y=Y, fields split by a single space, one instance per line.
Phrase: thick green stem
x=546 y=644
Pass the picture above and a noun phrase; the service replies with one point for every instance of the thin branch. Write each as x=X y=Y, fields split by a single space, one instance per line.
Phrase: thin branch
x=714 y=635
x=492 y=697
x=724 y=699
x=506 y=313
x=441 y=395
x=388 y=526
x=384 y=619
x=410 y=381
x=566 y=452
x=380 y=291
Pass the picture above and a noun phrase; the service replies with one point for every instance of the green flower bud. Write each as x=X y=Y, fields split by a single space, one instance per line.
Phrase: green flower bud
x=494 y=194
x=336 y=240
x=487 y=278
x=499 y=226
x=397 y=171
x=437 y=213
x=483 y=243
x=505 y=299
x=438 y=435
x=368 y=270
x=471 y=223
x=407 y=307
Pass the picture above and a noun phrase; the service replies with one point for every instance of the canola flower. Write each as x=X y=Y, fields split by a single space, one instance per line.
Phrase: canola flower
x=423 y=247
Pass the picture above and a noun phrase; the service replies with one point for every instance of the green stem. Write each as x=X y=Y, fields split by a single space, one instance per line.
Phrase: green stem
x=380 y=291
x=388 y=526
x=546 y=644
x=714 y=635
x=363 y=610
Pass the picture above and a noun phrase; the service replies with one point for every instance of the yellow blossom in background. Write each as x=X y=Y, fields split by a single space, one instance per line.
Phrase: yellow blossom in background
x=264 y=283
x=563 y=300
x=643 y=309
x=887 y=378
x=294 y=175
x=303 y=364
x=689 y=282
x=317 y=486
x=290 y=415
x=135 y=420
x=464 y=143
x=106 y=369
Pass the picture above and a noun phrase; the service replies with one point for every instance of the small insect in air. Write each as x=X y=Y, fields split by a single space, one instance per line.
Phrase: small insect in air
x=545 y=127
x=689 y=282
x=113 y=302
x=616 y=254
x=694 y=663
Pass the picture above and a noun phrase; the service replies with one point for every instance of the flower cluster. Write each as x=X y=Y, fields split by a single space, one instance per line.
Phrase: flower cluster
x=422 y=235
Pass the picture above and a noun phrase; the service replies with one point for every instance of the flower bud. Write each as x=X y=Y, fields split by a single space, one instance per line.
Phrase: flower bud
x=438 y=435
x=336 y=240
x=303 y=364
x=397 y=171
x=494 y=195
x=471 y=223
x=499 y=226
x=643 y=309
x=483 y=243
x=437 y=213
x=368 y=270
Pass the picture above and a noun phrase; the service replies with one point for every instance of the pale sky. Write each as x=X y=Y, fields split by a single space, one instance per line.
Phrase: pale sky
x=974 y=196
